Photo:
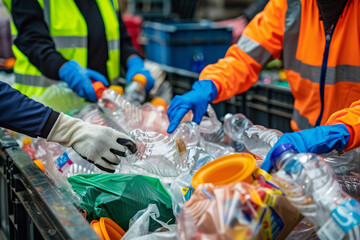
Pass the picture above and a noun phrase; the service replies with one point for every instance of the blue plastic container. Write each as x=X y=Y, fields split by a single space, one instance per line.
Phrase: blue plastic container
x=189 y=46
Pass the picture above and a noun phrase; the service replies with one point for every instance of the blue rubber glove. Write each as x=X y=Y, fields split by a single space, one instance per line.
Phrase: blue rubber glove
x=321 y=139
x=197 y=99
x=79 y=79
x=135 y=66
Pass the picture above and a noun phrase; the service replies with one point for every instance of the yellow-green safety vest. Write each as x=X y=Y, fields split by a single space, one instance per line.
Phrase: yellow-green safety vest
x=69 y=32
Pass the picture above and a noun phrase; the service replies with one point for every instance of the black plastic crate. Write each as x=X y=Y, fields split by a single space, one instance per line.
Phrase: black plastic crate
x=270 y=106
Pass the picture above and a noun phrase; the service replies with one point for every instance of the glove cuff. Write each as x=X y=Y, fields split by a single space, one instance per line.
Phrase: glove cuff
x=208 y=87
x=63 y=130
x=67 y=68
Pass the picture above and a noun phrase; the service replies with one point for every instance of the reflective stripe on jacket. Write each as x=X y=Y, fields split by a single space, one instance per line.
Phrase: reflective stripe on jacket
x=69 y=32
x=291 y=30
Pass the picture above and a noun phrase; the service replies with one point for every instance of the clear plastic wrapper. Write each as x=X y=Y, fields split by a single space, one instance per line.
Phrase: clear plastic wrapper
x=59 y=97
x=139 y=226
x=259 y=140
x=189 y=132
x=234 y=127
x=211 y=128
x=52 y=171
x=158 y=154
x=41 y=147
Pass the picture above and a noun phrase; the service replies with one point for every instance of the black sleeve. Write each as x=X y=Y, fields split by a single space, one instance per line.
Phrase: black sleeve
x=126 y=46
x=23 y=114
x=256 y=7
x=34 y=38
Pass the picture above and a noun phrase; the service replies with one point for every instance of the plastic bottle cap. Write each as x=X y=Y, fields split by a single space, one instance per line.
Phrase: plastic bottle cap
x=99 y=89
x=27 y=141
x=232 y=168
x=280 y=150
x=39 y=164
x=118 y=89
x=140 y=79
x=158 y=101
x=107 y=229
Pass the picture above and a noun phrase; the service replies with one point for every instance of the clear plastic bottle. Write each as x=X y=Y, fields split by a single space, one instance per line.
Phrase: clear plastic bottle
x=211 y=128
x=259 y=140
x=154 y=118
x=234 y=126
x=126 y=115
x=189 y=132
x=216 y=149
x=135 y=91
x=310 y=184
x=158 y=154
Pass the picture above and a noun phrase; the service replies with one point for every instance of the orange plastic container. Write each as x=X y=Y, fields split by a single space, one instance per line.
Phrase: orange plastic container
x=232 y=168
x=107 y=229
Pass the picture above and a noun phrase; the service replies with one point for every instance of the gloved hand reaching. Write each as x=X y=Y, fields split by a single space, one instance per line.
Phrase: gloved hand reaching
x=321 y=139
x=197 y=99
x=97 y=144
x=135 y=66
x=79 y=79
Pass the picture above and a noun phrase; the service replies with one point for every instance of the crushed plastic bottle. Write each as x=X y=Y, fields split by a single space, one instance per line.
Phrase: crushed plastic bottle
x=309 y=182
x=234 y=126
x=126 y=115
x=259 y=140
x=135 y=91
x=154 y=118
x=189 y=132
x=216 y=149
x=158 y=154
x=211 y=128
x=343 y=163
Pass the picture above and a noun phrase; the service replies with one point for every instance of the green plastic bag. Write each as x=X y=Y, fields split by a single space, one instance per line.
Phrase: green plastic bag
x=120 y=196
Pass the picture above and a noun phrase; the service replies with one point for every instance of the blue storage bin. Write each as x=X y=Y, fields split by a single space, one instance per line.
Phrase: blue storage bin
x=189 y=46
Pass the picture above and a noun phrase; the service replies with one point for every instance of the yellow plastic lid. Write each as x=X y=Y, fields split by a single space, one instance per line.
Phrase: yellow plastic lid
x=107 y=229
x=232 y=168
x=140 y=78
x=27 y=141
x=118 y=89
x=158 y=101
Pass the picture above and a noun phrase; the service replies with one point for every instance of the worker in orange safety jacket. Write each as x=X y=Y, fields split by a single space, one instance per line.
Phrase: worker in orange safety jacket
x=318 y=41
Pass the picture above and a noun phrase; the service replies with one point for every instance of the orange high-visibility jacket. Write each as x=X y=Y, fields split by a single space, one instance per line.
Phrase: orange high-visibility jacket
x=351 y=118
x=323 y=70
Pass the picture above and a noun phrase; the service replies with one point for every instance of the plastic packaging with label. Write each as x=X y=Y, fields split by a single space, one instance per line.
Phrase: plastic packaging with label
x=310 y=184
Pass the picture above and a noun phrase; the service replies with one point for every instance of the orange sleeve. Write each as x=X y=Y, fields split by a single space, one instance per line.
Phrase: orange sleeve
x=351 y=118
x=260 y=42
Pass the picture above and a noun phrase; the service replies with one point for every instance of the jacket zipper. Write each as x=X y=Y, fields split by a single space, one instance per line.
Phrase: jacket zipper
x=328 y=35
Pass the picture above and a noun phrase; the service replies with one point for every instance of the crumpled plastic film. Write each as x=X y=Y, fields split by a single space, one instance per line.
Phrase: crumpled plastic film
x=139 y=226
x=120 y=196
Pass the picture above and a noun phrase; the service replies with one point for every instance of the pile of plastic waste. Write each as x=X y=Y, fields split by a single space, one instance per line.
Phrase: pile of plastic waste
x=203 y=181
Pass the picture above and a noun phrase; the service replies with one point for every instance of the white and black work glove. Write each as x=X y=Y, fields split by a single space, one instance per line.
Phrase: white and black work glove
x=97 y=144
